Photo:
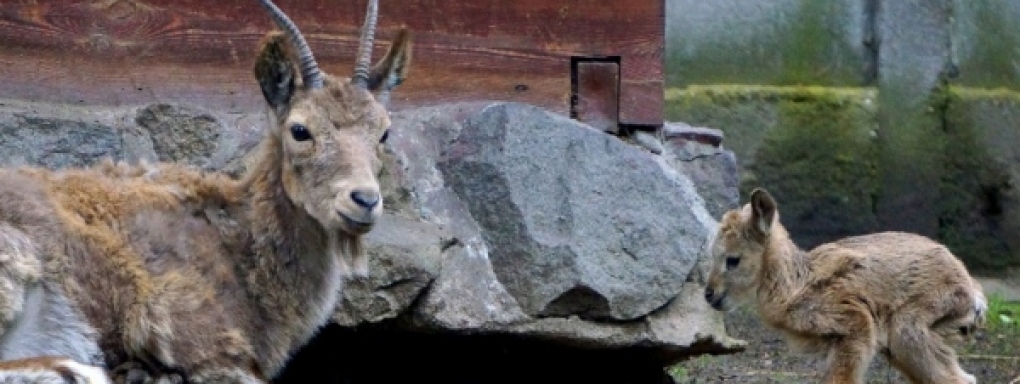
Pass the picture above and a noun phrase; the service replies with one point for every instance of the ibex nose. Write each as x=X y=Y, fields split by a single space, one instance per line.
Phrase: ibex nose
x=365 y=199
x=709 y=293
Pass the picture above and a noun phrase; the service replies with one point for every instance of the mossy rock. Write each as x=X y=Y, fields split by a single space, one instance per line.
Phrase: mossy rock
x=979 y=205
x=814 y=148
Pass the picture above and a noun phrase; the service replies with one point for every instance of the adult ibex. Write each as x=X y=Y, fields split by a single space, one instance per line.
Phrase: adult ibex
x=899 y=294
x=216 y=278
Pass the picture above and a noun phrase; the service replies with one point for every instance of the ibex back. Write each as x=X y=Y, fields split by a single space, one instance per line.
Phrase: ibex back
x=900 y=294
x=218 y=279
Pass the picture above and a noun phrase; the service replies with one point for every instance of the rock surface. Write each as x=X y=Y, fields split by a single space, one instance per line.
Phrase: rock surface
x=405 y=255
x=562 y=231
x=58 y=135
x=698 y=153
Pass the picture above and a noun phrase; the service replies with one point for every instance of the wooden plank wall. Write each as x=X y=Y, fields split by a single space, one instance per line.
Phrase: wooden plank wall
x=199 y=51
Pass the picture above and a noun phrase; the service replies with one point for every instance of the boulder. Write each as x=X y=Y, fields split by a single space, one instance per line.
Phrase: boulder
x=698 y=153
x=561 y=230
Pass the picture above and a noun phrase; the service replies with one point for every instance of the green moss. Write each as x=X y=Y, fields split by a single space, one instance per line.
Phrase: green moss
x=746 y=113
x=979 y=204
x=814 y=148
x=997 y=95
x=947 y=164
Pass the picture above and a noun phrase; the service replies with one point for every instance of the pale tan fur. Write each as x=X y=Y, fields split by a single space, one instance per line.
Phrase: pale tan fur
x=899 y=294
x=194 y=272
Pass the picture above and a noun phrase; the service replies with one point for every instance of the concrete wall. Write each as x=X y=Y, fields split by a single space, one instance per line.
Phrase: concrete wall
x=768 y=42
x=842 y=42
x=941 y=75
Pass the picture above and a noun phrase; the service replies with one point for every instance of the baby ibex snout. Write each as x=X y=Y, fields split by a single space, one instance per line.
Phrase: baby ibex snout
x=714 y=299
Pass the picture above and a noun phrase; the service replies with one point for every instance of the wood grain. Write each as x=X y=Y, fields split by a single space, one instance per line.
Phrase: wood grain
x=199 y=51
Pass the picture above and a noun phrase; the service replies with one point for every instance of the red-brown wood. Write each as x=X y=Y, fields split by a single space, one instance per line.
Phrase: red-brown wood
x=598 y=94
x=200 y=51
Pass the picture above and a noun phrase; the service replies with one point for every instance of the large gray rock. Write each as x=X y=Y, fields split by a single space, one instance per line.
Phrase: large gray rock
x=562 y=231
x=573 y=221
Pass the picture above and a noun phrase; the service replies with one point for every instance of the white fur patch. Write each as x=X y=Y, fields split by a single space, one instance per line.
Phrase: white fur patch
x=360 y=265
x=87 y=374
x=31 y=376
x=980 y=304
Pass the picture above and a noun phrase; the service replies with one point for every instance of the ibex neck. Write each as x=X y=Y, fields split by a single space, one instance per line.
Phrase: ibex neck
x=784 y=271
x=292 y=278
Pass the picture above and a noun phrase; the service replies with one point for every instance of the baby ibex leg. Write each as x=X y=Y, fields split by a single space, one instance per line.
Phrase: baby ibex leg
x=852 y=344
x=848 y=359
x=922 y=355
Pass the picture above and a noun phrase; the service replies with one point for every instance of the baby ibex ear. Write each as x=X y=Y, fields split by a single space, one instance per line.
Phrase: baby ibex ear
x=275 y=71
x=763 y=212
x=392 y=69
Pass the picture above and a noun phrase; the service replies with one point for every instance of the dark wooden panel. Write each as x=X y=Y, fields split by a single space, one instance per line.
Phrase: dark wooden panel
x=200 y=51
x=598 y=94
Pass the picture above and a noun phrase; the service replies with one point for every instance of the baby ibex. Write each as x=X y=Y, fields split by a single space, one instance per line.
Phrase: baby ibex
x=897 y=293
x=216 y=278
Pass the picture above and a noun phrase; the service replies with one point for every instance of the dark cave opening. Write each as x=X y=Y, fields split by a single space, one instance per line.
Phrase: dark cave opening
x=386 y=354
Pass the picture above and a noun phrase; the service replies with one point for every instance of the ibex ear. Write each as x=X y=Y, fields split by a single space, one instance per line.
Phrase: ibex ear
x=275 y=71
x=763 y=212
x=392 y=69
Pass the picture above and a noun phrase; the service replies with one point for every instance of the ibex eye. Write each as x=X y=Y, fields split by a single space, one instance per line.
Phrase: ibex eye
x=300 y=132
x=732 y=262
x=385 y=135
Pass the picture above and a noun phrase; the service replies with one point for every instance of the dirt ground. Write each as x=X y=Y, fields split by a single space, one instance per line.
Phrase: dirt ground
x=994 y=358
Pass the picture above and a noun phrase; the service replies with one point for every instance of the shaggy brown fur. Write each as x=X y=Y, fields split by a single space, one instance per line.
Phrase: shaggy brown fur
x=195 y=272
x=897 y=293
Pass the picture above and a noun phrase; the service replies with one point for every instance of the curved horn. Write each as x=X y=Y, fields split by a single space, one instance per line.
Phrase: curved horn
x=361 y=67
x=309 y=68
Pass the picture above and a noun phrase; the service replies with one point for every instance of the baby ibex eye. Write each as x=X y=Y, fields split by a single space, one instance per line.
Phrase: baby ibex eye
x=300 y=132
x=732 y=262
